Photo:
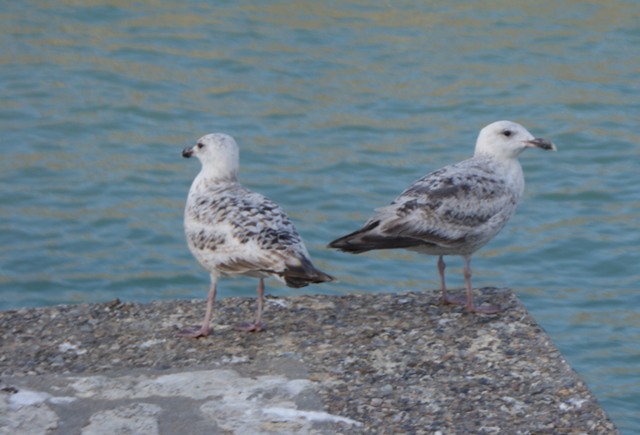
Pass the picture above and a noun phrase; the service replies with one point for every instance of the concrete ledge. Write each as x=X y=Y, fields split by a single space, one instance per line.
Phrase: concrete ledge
x=384 y=363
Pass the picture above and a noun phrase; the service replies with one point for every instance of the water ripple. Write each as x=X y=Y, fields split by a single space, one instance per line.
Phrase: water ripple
x=336 y=107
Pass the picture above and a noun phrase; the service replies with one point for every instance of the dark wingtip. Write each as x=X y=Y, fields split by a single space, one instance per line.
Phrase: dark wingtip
x=317 y=277
x=334 y=244
x=304 y=274
x=344 y=246
x=323 y=277
x=352 y=243
x=346 y=243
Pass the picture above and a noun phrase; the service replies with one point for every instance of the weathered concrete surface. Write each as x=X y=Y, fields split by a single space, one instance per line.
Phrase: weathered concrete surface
x=142 y=402
x=386 y=363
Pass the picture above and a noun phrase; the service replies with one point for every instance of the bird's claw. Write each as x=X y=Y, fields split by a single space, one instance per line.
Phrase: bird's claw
x=484 y=309
x=250 y=327
x=194 y=332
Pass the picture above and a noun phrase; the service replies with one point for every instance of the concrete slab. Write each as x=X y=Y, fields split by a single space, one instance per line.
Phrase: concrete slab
x=382 y=363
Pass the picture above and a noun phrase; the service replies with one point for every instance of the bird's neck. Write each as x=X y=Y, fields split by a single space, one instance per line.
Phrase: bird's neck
x=207 y=179
x=514 y=176
x=509 y=168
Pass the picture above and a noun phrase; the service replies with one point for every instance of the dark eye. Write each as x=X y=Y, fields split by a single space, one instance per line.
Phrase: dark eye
x=507 y=133
x=200 y=145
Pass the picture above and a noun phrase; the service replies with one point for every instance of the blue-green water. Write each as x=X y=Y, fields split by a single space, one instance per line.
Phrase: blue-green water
x=336 y=106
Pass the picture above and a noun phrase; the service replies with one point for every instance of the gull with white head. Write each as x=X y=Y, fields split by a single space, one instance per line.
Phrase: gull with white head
x=233 y=231
x=457 y=209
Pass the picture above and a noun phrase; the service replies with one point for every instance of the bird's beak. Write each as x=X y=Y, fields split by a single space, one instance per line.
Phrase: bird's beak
x=187 y=152
x=538 y=142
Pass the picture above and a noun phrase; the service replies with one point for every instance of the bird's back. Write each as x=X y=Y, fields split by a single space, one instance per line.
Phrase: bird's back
x=234 y=231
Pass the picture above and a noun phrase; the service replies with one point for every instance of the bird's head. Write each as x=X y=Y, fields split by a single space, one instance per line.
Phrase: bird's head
x=507 y=139
x=218 y=153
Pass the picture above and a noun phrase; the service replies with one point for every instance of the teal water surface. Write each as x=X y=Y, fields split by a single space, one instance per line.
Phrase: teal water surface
x=336 y=106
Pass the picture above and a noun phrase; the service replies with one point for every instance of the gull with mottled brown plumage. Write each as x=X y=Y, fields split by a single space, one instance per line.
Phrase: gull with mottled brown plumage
x=233 y=231
x=457 y=209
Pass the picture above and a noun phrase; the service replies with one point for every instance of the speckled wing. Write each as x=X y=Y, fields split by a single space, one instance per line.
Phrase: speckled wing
x=454 y=210
x=234 y=231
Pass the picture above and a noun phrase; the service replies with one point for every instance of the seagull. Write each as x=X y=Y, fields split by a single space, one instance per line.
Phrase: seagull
x=233 y=231
x=457 y=209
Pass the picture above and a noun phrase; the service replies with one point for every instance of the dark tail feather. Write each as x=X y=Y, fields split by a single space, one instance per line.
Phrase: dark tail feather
x=362 y=241
x=352 y=242
x=347 y=244
x=305 y=274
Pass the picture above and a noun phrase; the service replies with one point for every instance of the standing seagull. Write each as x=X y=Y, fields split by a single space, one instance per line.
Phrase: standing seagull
x=232 y=231
x=455 y=210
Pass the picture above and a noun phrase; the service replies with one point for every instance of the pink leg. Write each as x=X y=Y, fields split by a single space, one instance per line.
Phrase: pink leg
x=257 y=325
x=204 y=329
x=470 y=306
x=445 y=297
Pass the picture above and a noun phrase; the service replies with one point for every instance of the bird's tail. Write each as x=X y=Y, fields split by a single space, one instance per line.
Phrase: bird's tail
x=305 y=273
x=369 y=238
x=351 y=243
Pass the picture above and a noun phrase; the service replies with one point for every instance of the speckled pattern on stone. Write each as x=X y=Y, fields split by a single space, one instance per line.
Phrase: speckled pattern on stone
x=398 y=363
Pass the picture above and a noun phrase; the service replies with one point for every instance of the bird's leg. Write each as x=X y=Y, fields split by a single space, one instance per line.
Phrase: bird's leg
x=204 y=329
x=443 y=286
x=470 y=306
x=445 y=297
x=257 y=325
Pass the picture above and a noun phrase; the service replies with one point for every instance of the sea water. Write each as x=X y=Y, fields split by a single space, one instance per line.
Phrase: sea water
x=337 y=107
